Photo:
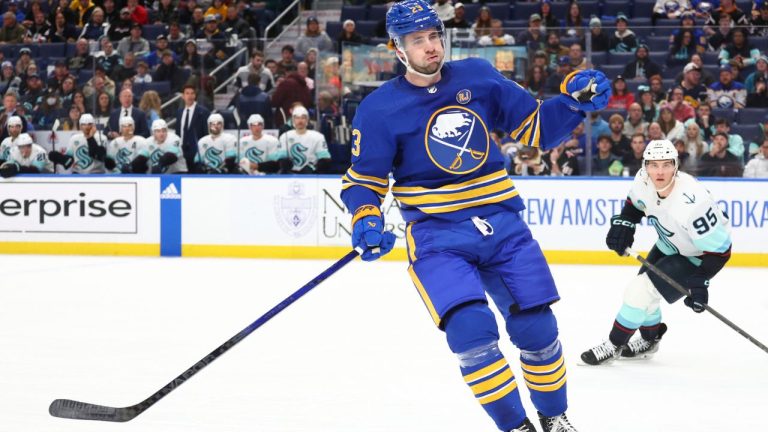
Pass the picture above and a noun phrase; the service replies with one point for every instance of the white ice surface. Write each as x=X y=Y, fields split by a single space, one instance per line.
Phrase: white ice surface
x=357 y=354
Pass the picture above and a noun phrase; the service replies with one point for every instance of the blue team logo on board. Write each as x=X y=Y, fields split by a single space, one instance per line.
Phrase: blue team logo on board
x=463 y=96
x=457 y=140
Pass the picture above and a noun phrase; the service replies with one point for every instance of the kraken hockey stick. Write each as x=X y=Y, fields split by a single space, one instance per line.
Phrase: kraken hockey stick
x=66 y=408
x=686 y=293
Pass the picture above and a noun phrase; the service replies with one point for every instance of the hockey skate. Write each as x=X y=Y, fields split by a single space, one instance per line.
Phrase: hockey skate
x=527 y=426
x=556 y=424
x=640 y=348
x=604 y=353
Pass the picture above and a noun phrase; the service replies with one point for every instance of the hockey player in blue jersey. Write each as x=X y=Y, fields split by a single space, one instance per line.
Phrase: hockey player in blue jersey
x=465 y=238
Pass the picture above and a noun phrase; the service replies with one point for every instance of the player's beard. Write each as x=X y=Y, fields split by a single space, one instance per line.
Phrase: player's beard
x=430 y=68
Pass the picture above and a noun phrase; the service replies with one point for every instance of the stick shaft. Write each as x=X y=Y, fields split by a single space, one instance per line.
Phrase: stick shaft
x=685 y=292
x=66 y=408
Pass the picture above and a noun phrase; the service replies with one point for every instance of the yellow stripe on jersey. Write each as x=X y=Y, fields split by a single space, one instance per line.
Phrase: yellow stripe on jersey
x=445 y=198
x=410 y=242
x=401 y=190
x=492 y=383
x=424 y=296
x=488 y=189
x=515 y=134
x=529 y=132
x=376 y=184
x=533 y=134
x=474 y=203
x=486 y=371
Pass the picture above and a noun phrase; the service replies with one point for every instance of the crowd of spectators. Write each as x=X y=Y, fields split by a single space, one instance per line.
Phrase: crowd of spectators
x=706 y=73
x=703 y=83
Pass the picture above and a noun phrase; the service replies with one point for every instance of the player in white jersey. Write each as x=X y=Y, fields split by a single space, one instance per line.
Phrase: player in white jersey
x=26 y=157
x=693 y=246
x=87 y=149
x=306 y=148
x=163 y=150
x=14 y=130
x=261 y=153
x=123 y=151
x=217 y=151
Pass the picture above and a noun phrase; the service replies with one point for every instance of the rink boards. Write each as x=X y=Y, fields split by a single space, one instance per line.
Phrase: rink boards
x=303 y=217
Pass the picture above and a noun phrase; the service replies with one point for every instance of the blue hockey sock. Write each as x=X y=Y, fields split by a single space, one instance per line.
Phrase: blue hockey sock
x=472 y=334
x=545 y=376
x=495 y=387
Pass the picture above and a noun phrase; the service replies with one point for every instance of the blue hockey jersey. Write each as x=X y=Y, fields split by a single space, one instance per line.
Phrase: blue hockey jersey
x=436 y=142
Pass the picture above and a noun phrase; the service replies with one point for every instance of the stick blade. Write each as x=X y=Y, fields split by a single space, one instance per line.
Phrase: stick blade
x=66 y=408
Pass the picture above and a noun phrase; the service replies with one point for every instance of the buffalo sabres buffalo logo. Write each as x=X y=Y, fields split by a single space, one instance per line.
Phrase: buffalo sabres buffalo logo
x=457 y=140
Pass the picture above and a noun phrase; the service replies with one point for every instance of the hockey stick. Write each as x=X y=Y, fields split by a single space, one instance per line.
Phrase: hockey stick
x=66 y=408
x=685 y=292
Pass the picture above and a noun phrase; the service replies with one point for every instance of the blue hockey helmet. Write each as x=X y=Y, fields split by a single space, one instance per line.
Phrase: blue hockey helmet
x=410 y=16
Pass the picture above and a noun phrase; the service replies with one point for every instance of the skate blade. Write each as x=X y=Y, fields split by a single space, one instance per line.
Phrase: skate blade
x=646 y=356
x=605 y=363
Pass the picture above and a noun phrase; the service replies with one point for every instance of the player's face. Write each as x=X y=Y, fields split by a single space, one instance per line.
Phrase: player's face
x=661 y=172
x=160 y=135
x=126 y=130
x=215 y=128
x=14 y=130
x=300 y=122
x=424 y=50
x=25 y=150
x=256 y=129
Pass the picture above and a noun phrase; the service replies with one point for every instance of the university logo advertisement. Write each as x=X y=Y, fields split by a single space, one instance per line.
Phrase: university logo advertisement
x=295 y=211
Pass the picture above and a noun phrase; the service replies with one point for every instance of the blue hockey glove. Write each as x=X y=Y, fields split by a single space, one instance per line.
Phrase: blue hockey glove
x=369 y=235
x=587 y=90
x=698 y=285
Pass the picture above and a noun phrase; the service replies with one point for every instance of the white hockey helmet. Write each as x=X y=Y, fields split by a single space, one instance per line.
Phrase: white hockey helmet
x=660 y=150
x=126 y=121
x=87 y=119
x=159 y=124
x=215 y=118
x=13 y=121
x=255 y=119
x=24 y=140
x=299 y=111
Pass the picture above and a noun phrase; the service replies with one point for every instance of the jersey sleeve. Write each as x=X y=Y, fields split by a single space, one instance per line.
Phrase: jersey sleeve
x=635 y=196
x=142 y=149
x=274 y=150
x=530 y=121
x=707 y=227
x=321 y=148
x=366 y=182
x=281 y=149
x=40 y=160
x=230 y=149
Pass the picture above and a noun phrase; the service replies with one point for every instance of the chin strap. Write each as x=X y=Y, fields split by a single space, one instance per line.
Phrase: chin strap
x=671 y=182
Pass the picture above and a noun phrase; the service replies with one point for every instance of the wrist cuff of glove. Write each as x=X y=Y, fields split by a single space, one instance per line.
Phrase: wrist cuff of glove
x=564 y=84
x=365 y=210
